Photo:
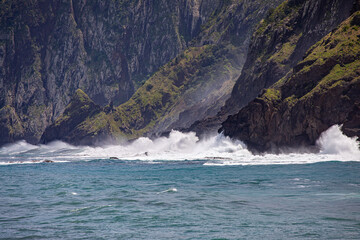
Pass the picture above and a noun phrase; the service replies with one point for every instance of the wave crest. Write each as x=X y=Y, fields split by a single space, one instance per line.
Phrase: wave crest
x=178 y=146
x=333 y=141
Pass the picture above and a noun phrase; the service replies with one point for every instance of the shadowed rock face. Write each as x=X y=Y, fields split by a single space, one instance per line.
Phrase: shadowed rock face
x=278 y=44
x=229 y=31
x=49 y=48
x=109 y=48
x=78 y=110
x=10 y=125
x=322 y=90
x=191 y=86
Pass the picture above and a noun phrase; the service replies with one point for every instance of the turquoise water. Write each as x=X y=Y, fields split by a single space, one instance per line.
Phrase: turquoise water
x=119 y=199
x=180 y=187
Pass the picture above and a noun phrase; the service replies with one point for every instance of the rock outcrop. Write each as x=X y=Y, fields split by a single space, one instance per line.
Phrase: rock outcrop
x=151 y=66
x=80 y=108
x=108 y=48
x=227 y=35
x=10 y=125
x=278 y=44
x=193 y=85
x=322 y=90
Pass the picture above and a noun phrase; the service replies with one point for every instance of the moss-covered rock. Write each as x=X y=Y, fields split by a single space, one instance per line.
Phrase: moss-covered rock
x=151 y=104
x=322 y=90
x=108 y=48
x=10 y=125
x=191 y=86
x=279 y=43
x=66 y=127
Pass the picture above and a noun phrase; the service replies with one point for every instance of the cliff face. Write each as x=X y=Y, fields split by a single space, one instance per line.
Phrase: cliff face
x=322 y=90
x=194 y=84
x=278 y=44
x=48 y=49
x=10 y=125
x=227 y=35
x=81 y=107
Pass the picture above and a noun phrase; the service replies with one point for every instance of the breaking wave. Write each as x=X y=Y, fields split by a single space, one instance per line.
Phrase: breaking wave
x=178 y=146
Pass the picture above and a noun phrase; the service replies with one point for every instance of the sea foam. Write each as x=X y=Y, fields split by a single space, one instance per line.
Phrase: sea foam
x=333 y=141
x=217 y=150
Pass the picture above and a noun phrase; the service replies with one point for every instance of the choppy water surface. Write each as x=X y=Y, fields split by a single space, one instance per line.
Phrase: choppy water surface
x=204 y=190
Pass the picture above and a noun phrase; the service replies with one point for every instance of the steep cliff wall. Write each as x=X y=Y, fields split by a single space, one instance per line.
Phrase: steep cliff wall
x=48 y=49
x=322 y=90
x=196 y=83
x=279 y=42
x=228 y=32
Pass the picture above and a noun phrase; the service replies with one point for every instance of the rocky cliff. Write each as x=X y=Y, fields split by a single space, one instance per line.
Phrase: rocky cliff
x=322 y=90
x=278 y=44
x=193 y=85
x=49 y=48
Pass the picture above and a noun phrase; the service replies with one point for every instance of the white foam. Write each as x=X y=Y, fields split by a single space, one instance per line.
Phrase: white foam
x=215 y=151
x=333 y=141
x=168 y=190
x=17 y=148
x=28 y=162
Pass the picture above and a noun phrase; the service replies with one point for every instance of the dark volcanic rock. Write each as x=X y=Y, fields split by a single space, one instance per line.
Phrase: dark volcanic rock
x=10 y=126
x=191 y=86
x=323 y=90
x=48 y=161
x=108 y=48
x=278 y=44
x=65 y=127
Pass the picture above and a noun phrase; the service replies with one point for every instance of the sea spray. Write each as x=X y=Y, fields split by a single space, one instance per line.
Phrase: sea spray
x=17 y=148
x=178 y=146
x=333 y=141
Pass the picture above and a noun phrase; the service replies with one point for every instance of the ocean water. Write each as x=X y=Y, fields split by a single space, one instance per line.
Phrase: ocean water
x=180 y=188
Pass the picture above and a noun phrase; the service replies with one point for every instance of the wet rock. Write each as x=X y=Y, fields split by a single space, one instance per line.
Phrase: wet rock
x=48 y=161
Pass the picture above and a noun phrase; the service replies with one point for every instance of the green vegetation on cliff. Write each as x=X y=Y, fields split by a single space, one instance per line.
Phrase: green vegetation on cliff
x=322 y=90
x=277 y=45
x=154 y=101
x=66 y=126
x=193 y=85
x=159 y=93
x=279 y=15
x=156 y=98
x=79 y=104
x=280 y=42
x=334 y=60
x=10 y=124
x=50 y=48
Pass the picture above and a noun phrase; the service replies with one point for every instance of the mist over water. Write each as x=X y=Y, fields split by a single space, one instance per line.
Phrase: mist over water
x=178 y=146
